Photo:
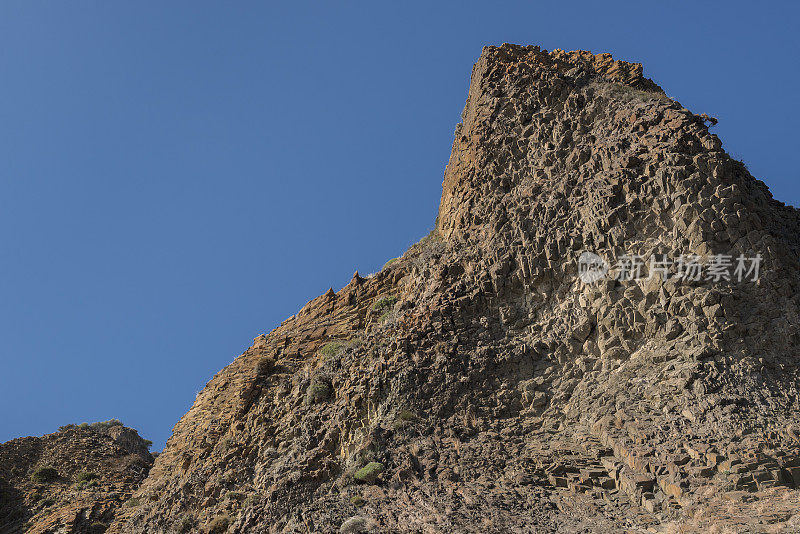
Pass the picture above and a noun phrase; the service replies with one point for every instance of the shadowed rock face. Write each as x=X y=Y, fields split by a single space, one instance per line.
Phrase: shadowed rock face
x=73 y=481
x=477 y=384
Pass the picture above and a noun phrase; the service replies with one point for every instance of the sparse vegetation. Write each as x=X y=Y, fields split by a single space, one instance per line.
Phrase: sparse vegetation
x=388 y=263
x=265 y=365
x=384 y=304
x=99 y=426
x=368 y=454
x=219 y=524
x=334 y=350
x=105 y=424
x=317 y=392
x=87 y=475
x=86 y=479
x=251 y=500
x=404 y=418
x=385 y=307
x=357 y=501
x=331 y=350
x=133 y=502
x=43 y=475
x=406 y=415
x=426 y=249
x=84 y=484
x=355 y=342
x=431 y=237
x=369 y=473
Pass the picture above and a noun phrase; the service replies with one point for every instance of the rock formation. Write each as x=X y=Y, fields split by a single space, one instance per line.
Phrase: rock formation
x=72 y=481
x=480 y=384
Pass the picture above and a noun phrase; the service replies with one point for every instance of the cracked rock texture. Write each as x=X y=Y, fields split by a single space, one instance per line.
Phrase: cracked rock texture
x=476 y=384
x=73 y=481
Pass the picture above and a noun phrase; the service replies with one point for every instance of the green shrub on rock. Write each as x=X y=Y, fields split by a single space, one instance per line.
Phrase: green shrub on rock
x=84 y=484
x=331 y=350
x=86 y=476
x=44 y=475
x=101 y=425
x=369 y=473
x=384 y=304
x=317 y=392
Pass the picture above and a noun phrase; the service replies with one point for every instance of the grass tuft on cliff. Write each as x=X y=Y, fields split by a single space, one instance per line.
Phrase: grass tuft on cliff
x=384 y=304
x=43 y=475
x=317 y=392
x=265 y=365
x=86 y=479
x=369 y=473
x=331 y=350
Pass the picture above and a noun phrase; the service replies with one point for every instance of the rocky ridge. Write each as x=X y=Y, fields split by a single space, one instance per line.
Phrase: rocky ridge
x=74 y=480
x=478 y=384
x=489 y=383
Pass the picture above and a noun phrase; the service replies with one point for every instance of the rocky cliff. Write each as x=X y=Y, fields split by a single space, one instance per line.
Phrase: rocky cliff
x=483 y=383
x=75 y=480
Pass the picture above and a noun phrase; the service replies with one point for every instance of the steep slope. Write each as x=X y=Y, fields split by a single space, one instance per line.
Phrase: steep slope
x=72 y=481
x=479 y=384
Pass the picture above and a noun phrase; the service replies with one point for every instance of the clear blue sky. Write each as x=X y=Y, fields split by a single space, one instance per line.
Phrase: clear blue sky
x=176 y=180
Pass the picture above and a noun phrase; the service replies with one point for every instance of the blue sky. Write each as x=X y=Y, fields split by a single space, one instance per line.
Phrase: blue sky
x=177 y=178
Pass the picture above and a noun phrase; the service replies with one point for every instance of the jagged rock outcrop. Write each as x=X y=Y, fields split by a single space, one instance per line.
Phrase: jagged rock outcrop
x=72 y=481
x=482 y=385
x=479 y=384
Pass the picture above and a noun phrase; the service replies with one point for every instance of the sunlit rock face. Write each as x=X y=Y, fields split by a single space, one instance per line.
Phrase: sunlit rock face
x=483 y=383
x=72 y=481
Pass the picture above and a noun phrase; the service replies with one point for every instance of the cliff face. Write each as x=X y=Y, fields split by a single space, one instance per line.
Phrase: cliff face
x=72 y=481
x=481 y=383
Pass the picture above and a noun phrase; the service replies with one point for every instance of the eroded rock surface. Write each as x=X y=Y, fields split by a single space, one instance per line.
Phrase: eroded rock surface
x=477 y=384
x=72 y=481
x=496 y=390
